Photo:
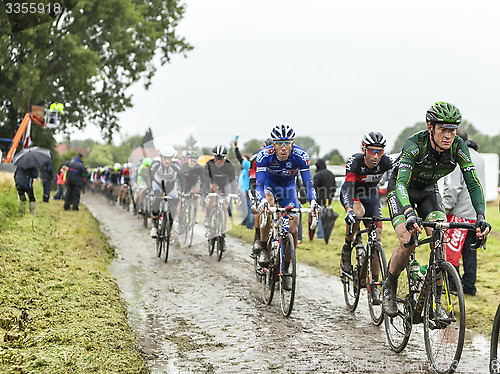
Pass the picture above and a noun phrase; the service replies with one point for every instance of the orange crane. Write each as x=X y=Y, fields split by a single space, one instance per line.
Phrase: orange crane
x=34 y=116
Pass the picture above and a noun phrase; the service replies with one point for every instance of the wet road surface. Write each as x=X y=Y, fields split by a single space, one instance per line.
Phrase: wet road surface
x=194 y=314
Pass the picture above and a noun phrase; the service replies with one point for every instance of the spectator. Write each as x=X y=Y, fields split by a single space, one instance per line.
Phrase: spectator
x=244 y=184
x=24 y=184
x=458 y=206
x=47 y=176
x=324 y=184
x=75 y=182
x=60 y=182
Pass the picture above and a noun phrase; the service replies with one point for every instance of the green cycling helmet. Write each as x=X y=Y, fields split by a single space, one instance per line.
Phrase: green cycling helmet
x=147 y=161
x=445 y=115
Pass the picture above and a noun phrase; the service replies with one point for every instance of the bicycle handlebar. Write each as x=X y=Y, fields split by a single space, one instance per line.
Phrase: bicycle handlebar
x=445 y=226
x=287 y=210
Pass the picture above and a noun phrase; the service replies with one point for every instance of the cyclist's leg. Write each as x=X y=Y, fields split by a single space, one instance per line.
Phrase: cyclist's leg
x=210 y=206
x=372 y=209
x=264 y=231
x=431 y=209
x=349 y=235
x=399 y=257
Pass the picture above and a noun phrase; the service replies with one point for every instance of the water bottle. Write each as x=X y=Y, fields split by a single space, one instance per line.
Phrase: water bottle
x=422 y=272
x=414 y=278
x=275 y=246
x=360 y=251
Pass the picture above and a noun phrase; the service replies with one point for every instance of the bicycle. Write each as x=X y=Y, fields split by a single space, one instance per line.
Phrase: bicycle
x=164 y=228
x=443 y=336
x=146 y=208
x=361 y=275
x=280 y=245
x=188 y=220
x=494 y=363
x=217 y=232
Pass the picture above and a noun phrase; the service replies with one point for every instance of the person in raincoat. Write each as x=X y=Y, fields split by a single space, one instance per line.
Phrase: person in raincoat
x=24 y=184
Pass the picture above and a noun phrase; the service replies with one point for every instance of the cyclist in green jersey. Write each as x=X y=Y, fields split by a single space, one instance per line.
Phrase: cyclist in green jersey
x=427 y=156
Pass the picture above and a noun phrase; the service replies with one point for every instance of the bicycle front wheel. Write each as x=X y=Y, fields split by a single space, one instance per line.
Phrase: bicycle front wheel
x=494 y=364
x=352 y=284
x=221 y=239
x=268 y=284
x=160 y=244
x=287 y=280
x=444 y=331
x=166 y=233
x=374 y=283
x=398 y=329
x=189 y=226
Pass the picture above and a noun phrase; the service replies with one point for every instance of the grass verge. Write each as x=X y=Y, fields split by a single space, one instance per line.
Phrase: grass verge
x=60 y=309
x=480 y=309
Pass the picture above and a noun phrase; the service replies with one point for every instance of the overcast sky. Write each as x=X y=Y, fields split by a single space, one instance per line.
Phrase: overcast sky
x=333 y=70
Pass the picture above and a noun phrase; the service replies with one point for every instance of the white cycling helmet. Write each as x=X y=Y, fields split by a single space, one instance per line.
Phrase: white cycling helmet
x=168 y=151
x=117 y=166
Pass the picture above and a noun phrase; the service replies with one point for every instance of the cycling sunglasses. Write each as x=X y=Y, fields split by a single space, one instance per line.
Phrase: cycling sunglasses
x=374 y=152
x=281 y=143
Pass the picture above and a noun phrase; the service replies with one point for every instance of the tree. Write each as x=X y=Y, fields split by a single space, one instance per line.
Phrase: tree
x=87 y=60
x=147 y=137
x=252 y=146
x=405 y=134
x=334 y=157
x=309 y=145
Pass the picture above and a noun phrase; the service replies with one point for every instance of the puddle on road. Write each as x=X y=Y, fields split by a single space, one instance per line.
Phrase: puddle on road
x=195 y=314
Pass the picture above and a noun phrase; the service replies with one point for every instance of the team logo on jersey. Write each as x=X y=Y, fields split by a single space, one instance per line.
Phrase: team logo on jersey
x=288 y=164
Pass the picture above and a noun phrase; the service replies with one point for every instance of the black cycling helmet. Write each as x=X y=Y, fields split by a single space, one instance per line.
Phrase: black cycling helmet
x=373 y=139
x=445 y=115
x=283 y=132
x=219 y=151
x=268 y=141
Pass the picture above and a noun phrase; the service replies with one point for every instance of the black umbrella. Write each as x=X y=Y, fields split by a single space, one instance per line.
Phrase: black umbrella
x=328 y=217
x=31 y=157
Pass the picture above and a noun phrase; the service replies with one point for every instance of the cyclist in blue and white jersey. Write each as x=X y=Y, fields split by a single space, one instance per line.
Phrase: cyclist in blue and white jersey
x=277 y=169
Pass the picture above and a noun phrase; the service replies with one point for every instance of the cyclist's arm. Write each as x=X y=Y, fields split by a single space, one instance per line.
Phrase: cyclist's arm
x=471 y=179
x=349 y=183
x=409 y=155
x=308 y=184
x=260 y=176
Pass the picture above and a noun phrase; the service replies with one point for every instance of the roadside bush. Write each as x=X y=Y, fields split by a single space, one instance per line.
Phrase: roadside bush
x=8 y=200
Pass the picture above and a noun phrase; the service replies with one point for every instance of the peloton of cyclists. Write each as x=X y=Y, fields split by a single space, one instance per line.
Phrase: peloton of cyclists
x=427 y=156
x=164 y=175
x=277 y=169
x=359 y=195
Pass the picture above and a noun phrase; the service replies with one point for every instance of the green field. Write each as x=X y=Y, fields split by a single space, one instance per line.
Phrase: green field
x=60 y=309
x=480 y=309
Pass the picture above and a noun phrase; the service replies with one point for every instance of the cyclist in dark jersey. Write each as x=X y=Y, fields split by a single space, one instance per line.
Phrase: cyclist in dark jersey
x=219 y=175
x=359 y=194
x=427 y=156
x=190 y=178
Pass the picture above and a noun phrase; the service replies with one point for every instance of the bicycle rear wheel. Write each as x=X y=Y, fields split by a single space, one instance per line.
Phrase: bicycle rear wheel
x=287 y=281
x=444 y=337
x=351 y=284
x=375 y=307
x=398 y=329
x=494 y=364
